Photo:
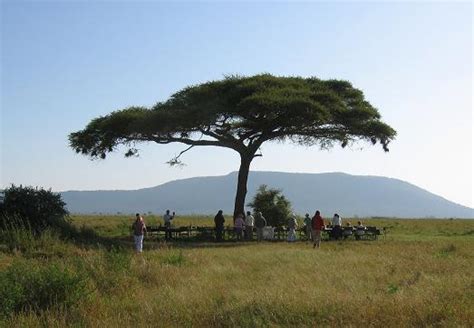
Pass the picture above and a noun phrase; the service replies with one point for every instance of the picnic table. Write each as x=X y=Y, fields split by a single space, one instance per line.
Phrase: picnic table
x=175 y=231
x=199 y=232
x=359 y=233
x=366 y=233
x=279 y=233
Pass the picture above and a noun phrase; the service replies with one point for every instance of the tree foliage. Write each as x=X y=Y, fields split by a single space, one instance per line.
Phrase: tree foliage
x=34 y=208
x=273 y=204
x=241 y=113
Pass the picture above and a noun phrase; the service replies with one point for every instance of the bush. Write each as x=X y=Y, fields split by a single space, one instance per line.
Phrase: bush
x=26 y=288
x=274 y=206
x=33 y=208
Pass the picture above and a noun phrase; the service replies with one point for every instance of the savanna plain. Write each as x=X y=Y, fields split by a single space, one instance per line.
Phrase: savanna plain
x=420 y=273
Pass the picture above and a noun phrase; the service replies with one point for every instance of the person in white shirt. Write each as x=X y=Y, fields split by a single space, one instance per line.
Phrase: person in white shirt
x=336 y=220
x=336 y=226
x=249 y=223
x=360 y=230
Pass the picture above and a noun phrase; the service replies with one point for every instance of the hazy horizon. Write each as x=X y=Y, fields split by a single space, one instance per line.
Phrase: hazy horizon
x=346 y=194
x=65 y=63
x=269 y=183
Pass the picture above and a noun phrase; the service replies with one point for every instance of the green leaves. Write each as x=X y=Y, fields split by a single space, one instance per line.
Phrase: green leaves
x=241 y=113
x=34 y=208
x=275 y=207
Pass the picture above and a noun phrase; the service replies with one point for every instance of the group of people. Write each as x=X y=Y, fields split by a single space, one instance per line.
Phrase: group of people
x=245 y=225
x=312 y=228
x=139 y=229
x=337 y=231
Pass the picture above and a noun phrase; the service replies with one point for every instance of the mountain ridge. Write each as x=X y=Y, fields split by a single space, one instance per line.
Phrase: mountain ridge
x=351 y=195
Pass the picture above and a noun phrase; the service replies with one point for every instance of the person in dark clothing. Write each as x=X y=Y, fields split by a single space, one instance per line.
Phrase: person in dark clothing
x=219 y=222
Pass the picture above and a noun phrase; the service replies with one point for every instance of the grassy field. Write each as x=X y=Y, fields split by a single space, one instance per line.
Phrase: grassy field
x=420 y=274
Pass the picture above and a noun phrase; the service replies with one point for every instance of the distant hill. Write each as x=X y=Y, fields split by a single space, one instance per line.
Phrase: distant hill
x=348 y=195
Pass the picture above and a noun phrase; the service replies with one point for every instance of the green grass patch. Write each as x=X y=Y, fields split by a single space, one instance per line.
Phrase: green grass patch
x=175 y=258
x=24 y=288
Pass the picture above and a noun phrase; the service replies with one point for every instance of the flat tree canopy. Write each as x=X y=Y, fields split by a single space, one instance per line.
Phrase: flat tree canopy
x=241 y=113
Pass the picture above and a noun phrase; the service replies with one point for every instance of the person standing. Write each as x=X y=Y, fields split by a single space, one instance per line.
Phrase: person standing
x=308 y=227
x=336 y=226
x=360 y=230
x=317 y=224
x=292 y=225
x=238 y=226
x=219 y=222
x=167 y=221
x=260 y=223
x=139 y=229
x=249 y=223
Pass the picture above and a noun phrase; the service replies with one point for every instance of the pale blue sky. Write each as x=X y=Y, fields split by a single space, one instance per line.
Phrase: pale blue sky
x=64 y=63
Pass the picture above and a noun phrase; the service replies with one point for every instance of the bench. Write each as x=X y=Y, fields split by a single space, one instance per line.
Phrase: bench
x=278 y=233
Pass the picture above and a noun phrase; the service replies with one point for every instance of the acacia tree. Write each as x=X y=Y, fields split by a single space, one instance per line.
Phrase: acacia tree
x=241 y=113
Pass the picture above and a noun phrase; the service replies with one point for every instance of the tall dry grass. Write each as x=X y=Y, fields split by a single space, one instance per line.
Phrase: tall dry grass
x=419 y=275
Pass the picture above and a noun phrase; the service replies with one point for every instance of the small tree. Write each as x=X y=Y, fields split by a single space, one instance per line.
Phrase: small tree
x=273 y=204
x=35 y=208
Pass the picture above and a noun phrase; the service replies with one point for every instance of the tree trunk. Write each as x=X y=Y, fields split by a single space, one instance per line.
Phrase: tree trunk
x=244 y=169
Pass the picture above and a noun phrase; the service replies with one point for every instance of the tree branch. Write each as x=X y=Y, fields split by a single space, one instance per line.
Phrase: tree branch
x=176 y=161
x=187 y=141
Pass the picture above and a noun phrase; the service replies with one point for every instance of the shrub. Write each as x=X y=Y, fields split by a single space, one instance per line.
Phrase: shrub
x=273 y=204
x=24 y=287
x=34 y=208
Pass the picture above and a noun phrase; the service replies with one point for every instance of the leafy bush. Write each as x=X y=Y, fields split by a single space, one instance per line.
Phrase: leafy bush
x=33 y=208
x=273 y=204
x=24 y=287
